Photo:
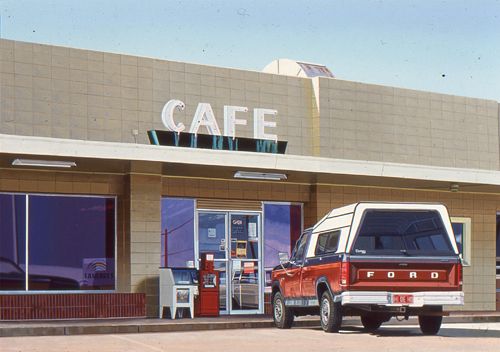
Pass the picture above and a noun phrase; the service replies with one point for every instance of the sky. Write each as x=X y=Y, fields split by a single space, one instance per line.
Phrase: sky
x=448 y=47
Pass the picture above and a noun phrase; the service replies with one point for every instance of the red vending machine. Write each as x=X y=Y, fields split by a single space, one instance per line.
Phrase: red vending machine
x=207 y=302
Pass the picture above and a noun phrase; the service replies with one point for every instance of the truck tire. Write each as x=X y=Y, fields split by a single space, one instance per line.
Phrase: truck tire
x=283 y=316
x=371 y=322
x=330 y=313
x=429 y=324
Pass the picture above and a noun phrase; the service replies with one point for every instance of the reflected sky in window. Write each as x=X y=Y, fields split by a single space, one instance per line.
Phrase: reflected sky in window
x=63 y=233
x=277 y=232
x=177 y=221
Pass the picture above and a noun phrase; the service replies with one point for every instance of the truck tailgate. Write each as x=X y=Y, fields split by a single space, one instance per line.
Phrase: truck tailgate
x=408 y=275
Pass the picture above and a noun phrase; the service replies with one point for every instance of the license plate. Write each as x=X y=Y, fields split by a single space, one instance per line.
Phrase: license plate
x=402 y=299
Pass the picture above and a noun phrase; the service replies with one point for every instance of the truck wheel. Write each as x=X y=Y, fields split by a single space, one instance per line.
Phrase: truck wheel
x=429 y=324
x=370 y=322
x=283 y=316
x=330 y=313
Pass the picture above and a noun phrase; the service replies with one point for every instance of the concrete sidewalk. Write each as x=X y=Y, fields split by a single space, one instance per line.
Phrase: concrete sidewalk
x=140 y=325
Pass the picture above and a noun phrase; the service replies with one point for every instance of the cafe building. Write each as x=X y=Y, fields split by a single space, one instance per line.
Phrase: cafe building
x=113 y=166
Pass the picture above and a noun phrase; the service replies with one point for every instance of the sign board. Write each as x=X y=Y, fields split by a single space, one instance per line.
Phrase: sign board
x=204 y=116
x=98 y=272
x=212 y=233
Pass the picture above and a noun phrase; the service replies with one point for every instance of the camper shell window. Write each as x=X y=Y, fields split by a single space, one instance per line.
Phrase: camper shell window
x=402 y=233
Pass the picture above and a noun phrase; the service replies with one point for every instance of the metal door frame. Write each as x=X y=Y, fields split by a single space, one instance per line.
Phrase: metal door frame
x=229 y=260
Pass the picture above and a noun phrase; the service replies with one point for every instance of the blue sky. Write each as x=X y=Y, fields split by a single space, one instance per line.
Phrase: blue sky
x=450 y=46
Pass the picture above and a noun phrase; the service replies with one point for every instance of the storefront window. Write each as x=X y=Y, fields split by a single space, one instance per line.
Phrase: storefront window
x=12 y=242
x=211 y=234
x=70 y=242
x=498 y=251
x=282 y=228
x=177 y=223
x=244 y=231
x=462 y=231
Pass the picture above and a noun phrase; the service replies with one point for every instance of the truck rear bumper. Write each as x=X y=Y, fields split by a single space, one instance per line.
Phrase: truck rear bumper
x=418 y=299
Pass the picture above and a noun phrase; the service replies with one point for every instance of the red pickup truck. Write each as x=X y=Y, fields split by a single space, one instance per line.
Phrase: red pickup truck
x=375 y=261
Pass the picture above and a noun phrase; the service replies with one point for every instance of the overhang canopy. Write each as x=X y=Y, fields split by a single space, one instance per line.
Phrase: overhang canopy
x=108 y=157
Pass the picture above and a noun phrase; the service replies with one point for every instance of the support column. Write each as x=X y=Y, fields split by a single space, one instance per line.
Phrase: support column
x=144 y=212
x=324 y=198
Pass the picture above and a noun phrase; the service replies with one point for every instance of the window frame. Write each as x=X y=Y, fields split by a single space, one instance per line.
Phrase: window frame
x=466 y=238
x=497 y=242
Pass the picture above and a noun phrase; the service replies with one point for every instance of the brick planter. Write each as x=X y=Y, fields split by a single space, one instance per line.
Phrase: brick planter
x=72 y=306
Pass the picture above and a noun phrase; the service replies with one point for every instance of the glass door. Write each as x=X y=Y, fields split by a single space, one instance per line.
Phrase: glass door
x=235 y=240
x=212 y=238
x=245 y=263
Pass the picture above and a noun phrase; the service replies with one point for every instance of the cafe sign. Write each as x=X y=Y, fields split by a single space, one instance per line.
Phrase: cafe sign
x=204 y=116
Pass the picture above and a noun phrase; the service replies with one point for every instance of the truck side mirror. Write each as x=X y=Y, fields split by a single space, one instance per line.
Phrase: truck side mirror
x=283 y=256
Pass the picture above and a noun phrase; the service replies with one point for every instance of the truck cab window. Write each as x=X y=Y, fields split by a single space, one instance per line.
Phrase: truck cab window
x=327 y=242
x=298 y=253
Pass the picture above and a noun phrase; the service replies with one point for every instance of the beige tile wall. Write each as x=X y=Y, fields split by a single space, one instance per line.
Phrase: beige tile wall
x=369 y=122
x=72 y=93
x=60 y=182
x=234 y=189
x=63 y=92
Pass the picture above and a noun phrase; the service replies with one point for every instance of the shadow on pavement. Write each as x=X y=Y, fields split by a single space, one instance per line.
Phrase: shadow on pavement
x=451 y=332
x=415 y=331
x=383 y=332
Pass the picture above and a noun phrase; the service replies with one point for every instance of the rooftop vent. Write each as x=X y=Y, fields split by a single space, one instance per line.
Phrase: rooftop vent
x=297 y=68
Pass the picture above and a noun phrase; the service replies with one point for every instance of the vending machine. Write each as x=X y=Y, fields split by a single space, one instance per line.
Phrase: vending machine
x=207 y=302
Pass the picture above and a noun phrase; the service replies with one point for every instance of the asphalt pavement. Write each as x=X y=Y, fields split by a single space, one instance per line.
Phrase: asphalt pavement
x=463 y=337
x=145 y=325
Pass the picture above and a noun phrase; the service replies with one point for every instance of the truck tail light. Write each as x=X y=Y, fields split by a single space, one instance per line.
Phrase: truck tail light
x=460 y=274
x=344 y=274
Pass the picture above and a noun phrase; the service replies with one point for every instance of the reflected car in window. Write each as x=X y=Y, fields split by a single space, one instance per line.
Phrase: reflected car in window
x=245 y=290
x=13 y=278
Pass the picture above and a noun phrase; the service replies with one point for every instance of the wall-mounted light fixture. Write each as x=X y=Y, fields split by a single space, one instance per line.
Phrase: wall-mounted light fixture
x=47 y=163
x=453 y=187
x=260 y=175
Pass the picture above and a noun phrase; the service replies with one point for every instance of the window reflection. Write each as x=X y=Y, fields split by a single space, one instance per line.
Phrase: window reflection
x=282 y=228
x=458 y=230
x=498 y=252
x=212 y=234
x=177 y=223
x=402 y=233
x=244 y=236
x=12 y=242
x=71 y=242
